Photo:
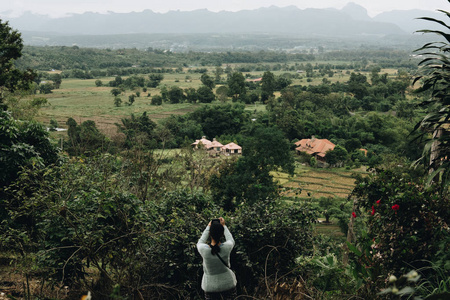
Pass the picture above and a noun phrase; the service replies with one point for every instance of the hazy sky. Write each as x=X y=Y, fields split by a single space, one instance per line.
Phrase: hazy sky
x=57 y=8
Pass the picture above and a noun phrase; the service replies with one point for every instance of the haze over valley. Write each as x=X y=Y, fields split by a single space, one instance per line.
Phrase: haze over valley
x=274 y=28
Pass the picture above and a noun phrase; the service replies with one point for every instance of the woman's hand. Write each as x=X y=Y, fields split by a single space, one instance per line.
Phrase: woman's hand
x=222 y=221
x=209 y=224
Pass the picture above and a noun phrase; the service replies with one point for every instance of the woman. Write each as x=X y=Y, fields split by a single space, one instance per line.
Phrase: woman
x=218 y=281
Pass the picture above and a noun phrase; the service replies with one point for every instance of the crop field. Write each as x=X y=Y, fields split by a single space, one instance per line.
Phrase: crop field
x=308 y=183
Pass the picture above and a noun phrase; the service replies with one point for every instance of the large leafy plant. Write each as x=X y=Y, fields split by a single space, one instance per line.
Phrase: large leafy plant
x=435 y=79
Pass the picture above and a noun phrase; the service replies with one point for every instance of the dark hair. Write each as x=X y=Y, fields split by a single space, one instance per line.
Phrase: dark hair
x=216 y=232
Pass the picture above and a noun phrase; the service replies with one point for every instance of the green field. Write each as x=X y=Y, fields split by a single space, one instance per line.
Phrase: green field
x=312 y=183
x=82 y=100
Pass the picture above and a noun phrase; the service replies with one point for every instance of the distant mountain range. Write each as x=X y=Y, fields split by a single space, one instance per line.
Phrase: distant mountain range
x=351 y=21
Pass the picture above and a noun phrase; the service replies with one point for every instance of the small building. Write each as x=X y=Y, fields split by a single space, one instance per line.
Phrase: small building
x=215 y=145
x=215 y=148
x=232 y=149
x=315 y=147
x=203 y=142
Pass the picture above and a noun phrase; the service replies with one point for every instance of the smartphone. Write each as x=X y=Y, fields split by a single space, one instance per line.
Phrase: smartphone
x=213 y=221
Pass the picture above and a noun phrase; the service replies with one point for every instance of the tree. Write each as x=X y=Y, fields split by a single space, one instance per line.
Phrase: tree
x=358 y=85
x=222 y=92
x=164 y=93
x=46 y=88
x=22 y=144
x=269 y=147
x=117 y=101
x=53 y=125
x=267 y=85
x=57 y=80
x=236 y=85
x=116 y=82
x=182 y=129
x=191 y=95
x=175 y=95
x=155 y=80
x=222 y=119
x=328 y=207
x=208 y=81
x=404 y=109
x=218 y=72
x=98 y=83
x=156 y=100
x=138 y=130
x=116 y=92
x=84 y=139
x=352 y=144
x=205 y=94
x=248 y=179
x=337 y=156
x=282 y=82
x=131 y=99
x=11 y=79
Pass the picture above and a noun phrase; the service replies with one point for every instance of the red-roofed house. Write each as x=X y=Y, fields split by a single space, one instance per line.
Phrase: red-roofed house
x=231 y=149
x=315 y=147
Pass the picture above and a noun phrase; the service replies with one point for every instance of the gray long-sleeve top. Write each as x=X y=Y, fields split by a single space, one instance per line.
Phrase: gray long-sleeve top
x=216 y=276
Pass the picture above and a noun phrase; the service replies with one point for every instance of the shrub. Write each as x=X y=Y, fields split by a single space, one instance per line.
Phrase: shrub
x=269 y=237
x=117 y=101
x=405 y=219
x=156 y=100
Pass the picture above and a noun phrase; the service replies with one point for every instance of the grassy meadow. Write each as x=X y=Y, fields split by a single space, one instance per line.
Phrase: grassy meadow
x=82 y=100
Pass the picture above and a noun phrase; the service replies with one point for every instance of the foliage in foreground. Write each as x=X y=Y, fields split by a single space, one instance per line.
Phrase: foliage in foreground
x=435 y=79
x=77 y=224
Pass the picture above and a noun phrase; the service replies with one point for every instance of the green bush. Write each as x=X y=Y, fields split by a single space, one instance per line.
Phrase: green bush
x=405 y=219
x=269 y=237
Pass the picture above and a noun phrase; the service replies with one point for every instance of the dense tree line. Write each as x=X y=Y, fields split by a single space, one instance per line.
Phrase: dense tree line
x=69 y=58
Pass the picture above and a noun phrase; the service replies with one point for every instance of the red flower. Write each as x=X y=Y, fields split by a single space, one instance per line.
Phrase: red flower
x=373 y=210
x=378 y=202
x=353 y=214
x=395 y=207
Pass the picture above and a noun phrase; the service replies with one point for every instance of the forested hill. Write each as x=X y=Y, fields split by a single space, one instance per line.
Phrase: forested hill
x=352 y=20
